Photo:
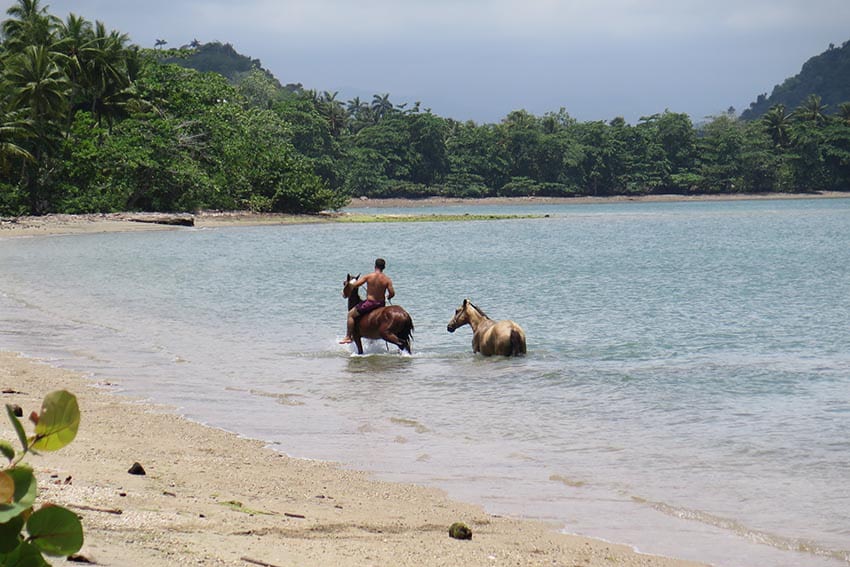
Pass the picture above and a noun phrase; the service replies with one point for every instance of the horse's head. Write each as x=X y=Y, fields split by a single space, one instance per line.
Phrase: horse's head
x=348 y=284
x=461 y=317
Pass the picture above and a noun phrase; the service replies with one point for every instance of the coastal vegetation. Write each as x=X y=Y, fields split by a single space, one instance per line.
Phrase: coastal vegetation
x=27 y=533
x=91 y=123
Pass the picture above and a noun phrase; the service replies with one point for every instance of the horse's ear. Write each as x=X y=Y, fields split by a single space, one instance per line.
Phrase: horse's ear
x=465 y=301
x=357 y=277
x=347 y=277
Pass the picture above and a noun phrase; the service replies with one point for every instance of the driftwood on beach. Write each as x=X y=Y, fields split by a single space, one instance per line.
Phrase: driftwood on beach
x=177 y=219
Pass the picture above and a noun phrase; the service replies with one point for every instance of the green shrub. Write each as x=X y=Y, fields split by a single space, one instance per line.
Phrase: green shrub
x=26 y=534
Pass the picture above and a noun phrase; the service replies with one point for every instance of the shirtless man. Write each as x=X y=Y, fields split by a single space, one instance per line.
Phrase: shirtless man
x=378 y=286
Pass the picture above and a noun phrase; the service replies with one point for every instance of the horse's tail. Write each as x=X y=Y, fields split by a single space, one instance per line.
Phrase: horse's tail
x=405 y=334
x=517 y=343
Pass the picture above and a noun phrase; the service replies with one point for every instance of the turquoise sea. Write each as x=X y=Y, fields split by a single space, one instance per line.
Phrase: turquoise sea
x=687 y=388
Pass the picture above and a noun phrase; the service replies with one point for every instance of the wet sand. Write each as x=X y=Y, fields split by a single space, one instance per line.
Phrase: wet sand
x=212 y=498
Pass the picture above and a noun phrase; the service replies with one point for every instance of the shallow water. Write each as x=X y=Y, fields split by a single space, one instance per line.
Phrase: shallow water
x=687 y=388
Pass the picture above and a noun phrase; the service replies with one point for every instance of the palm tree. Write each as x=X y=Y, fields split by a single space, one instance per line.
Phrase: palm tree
x=38 y=90
x=28 y=24
x=777 y=123
x=844 y=113
x=354 y=106
x=106 y=71
x=73 y=36
x=381 y=105
x=333 y=111
x=360 y=115
x=14 y=130
x=311 y=95
x=38 y=83
x=811 y=110
x=159 y=43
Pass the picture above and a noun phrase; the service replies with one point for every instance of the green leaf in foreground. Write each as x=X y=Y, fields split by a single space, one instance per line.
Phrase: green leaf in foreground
x=55 y=531
x=58 y=422
x=7 y=450
x=24 y=494
x=19 y=429
x=25 y=555
x=7 y=488
x=10 y=534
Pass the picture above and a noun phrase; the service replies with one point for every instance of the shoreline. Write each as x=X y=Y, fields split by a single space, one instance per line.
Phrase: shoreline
x=662 y=198
x=213 y=497
x=62 y=224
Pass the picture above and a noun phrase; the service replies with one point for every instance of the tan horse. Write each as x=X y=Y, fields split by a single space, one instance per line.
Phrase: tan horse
x=488 y=336
x=391 y=323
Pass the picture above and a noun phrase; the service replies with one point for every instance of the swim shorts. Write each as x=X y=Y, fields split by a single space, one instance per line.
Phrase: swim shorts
x=369 y=305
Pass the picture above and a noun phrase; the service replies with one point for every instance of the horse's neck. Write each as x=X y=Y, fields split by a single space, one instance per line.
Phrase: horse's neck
x=354 y=299
x=476 y=319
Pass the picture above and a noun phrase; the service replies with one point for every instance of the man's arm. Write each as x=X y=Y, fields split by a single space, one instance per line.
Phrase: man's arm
x=390 y=290
x=361 y=281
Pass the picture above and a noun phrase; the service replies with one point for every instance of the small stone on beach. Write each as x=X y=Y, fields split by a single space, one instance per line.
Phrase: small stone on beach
x=459 y=530
x=137 y=469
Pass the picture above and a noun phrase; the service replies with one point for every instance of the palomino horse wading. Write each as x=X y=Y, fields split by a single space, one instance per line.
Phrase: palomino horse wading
x=488 y=336
x=391 y=323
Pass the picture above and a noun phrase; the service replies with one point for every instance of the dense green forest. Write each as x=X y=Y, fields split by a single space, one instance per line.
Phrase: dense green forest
x=91 y=123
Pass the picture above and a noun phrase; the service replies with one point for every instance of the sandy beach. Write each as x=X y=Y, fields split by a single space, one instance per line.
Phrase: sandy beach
x=212 y=498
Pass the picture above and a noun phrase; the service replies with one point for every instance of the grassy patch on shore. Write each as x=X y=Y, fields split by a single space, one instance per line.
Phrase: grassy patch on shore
x=363 y=218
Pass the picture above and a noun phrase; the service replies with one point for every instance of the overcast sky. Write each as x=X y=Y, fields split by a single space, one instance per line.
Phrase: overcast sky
x=480 y=59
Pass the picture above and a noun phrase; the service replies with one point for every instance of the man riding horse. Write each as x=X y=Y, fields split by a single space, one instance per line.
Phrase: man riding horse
x=378 y=287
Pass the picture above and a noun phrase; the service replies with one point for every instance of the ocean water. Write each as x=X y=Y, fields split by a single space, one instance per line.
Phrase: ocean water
x=686 y=391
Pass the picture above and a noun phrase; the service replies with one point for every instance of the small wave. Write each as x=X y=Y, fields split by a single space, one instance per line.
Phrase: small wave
x=739 y=529
x=567 y=481
x=418 y=427
x=282 y=399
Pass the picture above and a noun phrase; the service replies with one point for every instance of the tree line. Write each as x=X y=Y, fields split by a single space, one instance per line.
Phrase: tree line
x=91 y=123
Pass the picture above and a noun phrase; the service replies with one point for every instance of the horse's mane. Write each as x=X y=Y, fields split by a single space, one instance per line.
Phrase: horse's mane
x=481 y=311
x=355 y=294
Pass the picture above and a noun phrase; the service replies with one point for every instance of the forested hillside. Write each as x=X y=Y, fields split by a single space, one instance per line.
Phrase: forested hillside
x=220 y=58
x=826 y=75
x=91 y=123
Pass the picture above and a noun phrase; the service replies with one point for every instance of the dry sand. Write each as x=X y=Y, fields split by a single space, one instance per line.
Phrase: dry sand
x=212 y=498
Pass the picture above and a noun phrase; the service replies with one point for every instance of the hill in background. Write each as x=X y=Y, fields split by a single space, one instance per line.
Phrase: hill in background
x=826 y=75
x=223 y=59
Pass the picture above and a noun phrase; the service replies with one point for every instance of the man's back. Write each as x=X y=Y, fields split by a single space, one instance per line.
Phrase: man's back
x=377 y=284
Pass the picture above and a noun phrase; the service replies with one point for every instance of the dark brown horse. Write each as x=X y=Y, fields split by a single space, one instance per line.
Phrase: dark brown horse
x=391 y=323
x=489 y=337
